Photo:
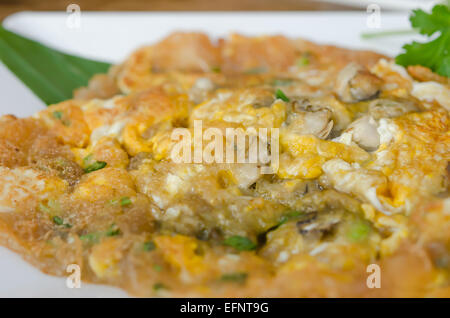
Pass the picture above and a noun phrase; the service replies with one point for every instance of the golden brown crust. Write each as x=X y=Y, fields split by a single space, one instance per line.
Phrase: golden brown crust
x=424 y=74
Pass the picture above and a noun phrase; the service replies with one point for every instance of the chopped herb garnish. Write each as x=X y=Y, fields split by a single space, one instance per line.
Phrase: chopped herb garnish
x=57 y=114
x=92 y=165
x=57 y=220
x=91 y=237
x=302 y=61
x=149 y=246
x=95 y=166
x=240 y=243
x=125 y=201
x=359 y=231
x=113 y=230
x=289 y=216
x=157 y=267
x=216 y=69
x=159 y=286
x=279 y=94
x=95 y=237
x=234 y=277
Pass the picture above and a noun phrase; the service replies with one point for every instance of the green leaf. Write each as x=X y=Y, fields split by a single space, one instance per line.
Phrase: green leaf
x=427 y=24
x=434 y=54
x=240 y=243
x=50 y=74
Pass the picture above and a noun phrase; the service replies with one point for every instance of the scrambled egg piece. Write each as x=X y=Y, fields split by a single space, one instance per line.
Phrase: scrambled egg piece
x=413 y=140
x=105 y=184
x=105 y=258
x=22 y=188
x=180 y=252
x=66 y=120
x=242 y=108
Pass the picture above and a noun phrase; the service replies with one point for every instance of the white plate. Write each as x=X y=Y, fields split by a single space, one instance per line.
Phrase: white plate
x=111 y=36
x=388 y=4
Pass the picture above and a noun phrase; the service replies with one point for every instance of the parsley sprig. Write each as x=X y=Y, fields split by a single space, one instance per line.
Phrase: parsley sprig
x=434 y=54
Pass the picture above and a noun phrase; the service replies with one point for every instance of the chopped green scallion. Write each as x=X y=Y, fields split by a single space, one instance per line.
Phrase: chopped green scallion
x=125 y=201
x=240 y=243
x=57 y=114
x=149 y=246
x=234 y=277
x=95 y=166
x=279 y=94
x=57 y=220
x=159 y=286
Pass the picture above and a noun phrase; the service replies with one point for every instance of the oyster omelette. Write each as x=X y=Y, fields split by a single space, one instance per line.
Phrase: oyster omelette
x=363 y=177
